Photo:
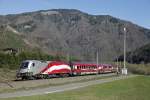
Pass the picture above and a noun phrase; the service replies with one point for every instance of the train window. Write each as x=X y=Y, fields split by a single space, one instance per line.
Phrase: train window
x=75 y=67
x=24 y=65
x=33 y=64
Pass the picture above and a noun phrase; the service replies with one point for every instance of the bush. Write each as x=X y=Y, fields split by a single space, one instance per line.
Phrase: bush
x=13 y=61
x=143 y=69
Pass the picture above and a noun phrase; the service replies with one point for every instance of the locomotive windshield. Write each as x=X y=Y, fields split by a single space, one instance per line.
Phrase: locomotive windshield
x=24 y=65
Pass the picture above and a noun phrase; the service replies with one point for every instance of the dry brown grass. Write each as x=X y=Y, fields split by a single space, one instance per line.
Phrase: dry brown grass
x=139 y=68
x=7 y=74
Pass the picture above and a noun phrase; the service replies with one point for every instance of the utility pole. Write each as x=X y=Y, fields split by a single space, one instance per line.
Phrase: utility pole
x=117 y=62
x=97 y=58
x=124 y=47
x=124 y=70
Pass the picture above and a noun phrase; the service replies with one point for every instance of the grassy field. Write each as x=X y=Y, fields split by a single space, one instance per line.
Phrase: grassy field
x=137 y=88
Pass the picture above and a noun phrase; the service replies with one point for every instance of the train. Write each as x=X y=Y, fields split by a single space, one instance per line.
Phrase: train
x=36 y=69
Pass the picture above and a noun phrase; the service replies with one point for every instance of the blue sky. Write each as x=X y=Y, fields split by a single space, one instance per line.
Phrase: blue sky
x=136 y=11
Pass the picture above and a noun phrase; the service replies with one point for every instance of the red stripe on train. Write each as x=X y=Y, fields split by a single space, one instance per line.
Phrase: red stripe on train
x=53 y=63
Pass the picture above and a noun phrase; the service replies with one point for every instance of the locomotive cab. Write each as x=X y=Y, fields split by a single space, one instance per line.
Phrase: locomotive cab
x=25 y=69
x=31 y=69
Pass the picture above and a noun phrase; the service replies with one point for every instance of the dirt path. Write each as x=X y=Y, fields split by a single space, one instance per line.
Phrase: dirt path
x=53 y=89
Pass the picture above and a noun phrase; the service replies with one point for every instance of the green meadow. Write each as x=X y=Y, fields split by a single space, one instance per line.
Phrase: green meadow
x=137 y=88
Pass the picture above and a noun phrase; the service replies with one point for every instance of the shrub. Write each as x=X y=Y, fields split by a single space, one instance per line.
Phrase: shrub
x=143 y=69
x=13 y=61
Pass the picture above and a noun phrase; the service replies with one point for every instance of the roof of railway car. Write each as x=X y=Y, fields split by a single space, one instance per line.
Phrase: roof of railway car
x=89 y=64
x=84 y=64
x=57 y=62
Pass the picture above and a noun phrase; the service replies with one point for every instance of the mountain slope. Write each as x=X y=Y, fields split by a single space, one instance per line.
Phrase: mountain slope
x=140 y=55
x=9 y=38
x=69 y=31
